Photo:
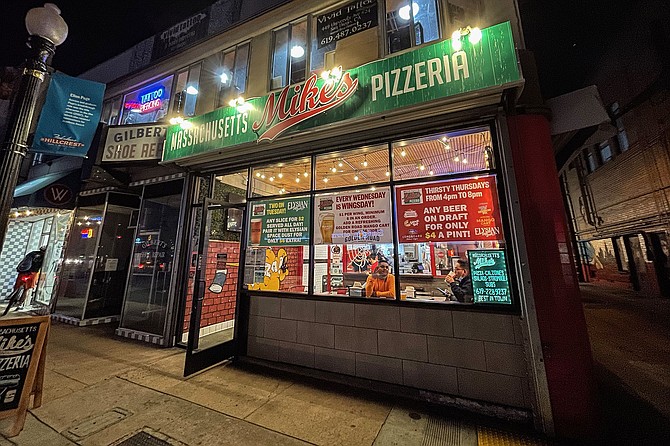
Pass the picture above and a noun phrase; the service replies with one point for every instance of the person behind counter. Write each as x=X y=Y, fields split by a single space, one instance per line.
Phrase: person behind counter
x=381 y=283
x=461 y=282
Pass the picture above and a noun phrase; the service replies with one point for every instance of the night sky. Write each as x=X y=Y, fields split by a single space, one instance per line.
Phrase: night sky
x=566 y=36
x=98 y=30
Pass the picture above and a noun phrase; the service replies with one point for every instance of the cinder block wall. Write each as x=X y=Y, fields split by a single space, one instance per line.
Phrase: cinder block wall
x=472 y=355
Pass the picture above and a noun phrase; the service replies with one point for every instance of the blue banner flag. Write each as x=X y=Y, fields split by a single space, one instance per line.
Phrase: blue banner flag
x=69 y=117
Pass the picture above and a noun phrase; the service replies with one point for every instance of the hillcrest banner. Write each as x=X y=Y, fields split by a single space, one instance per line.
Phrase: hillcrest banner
x=70 y=116
x=429 y=73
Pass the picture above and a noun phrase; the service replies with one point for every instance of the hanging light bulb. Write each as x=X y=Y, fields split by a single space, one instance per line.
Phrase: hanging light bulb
x=430 y=172
x=258 y=174
x=280 y=174
x=422 y=167
x=365 y=161
x=262 y=176
x=456 y=158
x=340 y=164
x=325 y=179
x=356 y=177
x=333 y=169
x=388 y=174
x=465 y=161
x=272 y=178
x=297 y=179
x=305 y=174
x=403 y=153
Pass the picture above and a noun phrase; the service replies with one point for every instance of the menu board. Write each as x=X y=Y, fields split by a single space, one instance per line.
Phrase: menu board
x=346 y=21
x=450 y=210
x=280 y=222
x=16 y=349
x=488 y=270
x=353 y=217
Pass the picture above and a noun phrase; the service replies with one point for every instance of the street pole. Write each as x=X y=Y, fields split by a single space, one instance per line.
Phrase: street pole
x=47 y=30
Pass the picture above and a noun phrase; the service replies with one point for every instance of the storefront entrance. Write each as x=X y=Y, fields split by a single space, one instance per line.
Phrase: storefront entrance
x=214 y=284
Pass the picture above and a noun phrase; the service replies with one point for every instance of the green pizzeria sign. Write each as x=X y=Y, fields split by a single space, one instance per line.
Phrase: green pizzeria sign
x=429 y=73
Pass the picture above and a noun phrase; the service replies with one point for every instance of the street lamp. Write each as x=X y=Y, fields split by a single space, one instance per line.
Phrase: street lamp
x=47 y=30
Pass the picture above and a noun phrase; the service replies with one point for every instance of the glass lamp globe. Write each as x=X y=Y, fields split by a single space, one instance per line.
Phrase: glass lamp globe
x=47 y=23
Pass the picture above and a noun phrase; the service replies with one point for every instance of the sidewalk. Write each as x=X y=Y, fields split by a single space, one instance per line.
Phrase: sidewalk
x=104 y=390
x=630 y=341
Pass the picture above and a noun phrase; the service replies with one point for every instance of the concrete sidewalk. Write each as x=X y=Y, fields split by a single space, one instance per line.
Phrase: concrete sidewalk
x=104 y=390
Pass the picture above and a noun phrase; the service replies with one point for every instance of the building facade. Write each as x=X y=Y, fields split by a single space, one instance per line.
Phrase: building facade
x=308 y=145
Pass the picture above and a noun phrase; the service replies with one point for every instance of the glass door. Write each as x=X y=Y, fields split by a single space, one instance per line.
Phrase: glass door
x=214 y=285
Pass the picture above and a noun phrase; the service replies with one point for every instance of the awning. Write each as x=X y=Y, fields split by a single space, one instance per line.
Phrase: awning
x=578 y=120
x=56 y=189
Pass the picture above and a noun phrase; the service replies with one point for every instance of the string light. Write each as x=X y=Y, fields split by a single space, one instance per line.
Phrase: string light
x=325 y=179
x=356 y=177
x=280 y=174
x=305 y=174
x=365 y=161
x=403 y=153
x=388 y=174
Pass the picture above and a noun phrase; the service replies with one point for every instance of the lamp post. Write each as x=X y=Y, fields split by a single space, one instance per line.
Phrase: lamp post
x=47 y=30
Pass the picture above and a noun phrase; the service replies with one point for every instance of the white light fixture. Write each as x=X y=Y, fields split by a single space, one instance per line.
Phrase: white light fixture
x=456 y=158
x=365 y=161
x=47 y=23
x=388 y=174
x=430 y=172
x=465 y=161
x=258 y=174
x=272 y=178
x=325 y=180
x=191 y=90
x=297 y=179
x=186 y=125
x=297 y=51
x=280 y=174
x=403 y=12
x=403 y=153
x=456 y=40
x=475 y=35
x=356 y=177
x=340 y=164
x=224 y=78
x=176 y=120
x=262 y=176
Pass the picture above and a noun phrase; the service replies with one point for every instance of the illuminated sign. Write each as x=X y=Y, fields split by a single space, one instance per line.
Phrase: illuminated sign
x=151 y=100
x=87 y=233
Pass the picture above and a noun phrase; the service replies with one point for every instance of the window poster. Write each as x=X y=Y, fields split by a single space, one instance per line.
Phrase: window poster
x=280 y=222
x=353 y=217
x=488 y=270
x=450 y=210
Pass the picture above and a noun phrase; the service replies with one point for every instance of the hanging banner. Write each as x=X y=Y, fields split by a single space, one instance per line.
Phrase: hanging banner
x=353 y=217
x=69 y=117
x=488 y=270
x=280 y=222
x=429 y=73
x=449 y=211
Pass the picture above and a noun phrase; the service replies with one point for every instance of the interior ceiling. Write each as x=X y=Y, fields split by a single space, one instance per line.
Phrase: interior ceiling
x=440 y=154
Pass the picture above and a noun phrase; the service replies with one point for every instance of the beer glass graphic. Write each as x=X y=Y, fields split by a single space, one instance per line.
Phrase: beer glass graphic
x=256 y=229
x=327 y=226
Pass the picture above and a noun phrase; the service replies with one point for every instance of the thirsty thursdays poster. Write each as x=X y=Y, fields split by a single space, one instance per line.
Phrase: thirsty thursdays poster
x=280 y=222
x=448 y=211
x=353 y=217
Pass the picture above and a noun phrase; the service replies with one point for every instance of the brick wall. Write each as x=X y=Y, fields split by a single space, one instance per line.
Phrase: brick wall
x=217 y=308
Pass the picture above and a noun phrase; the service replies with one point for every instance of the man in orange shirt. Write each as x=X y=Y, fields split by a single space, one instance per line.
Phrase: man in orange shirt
x=381 y=283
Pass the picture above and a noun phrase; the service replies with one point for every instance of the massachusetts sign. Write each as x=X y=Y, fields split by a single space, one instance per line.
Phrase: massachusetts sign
x=429 y=73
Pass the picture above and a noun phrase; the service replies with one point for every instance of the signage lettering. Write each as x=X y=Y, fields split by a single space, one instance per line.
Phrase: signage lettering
x=133 y=143
x=430 y=73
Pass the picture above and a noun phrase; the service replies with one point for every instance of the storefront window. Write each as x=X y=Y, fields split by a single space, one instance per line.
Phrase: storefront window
x=352 y=234
x=363 y=166
x=403 y=16
x=282 y=178
x=443 y=154
x=278 y=245
x=145 y=307
x=79 y=261
x=451 y=242
x=147 y=104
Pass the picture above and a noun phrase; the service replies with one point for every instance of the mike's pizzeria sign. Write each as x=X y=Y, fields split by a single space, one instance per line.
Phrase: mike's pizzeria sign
x=429 y=73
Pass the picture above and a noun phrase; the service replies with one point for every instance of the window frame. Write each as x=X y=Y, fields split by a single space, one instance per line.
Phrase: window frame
x=508 y=246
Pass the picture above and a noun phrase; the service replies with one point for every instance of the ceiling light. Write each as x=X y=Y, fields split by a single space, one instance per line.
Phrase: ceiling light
x=457 y=159
x=430 y=172
x=355 y=177
x=388 y=174
x=365 y=161
x=403 y=153
x=280 y=174
x=262 y=176
x=325 y=180
x=191 y=90
x=340 y=164
x=297 y=179
x=297 y=51
x=465 y=161
x=272 y=178
x=403 y=12
x=258 y=174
